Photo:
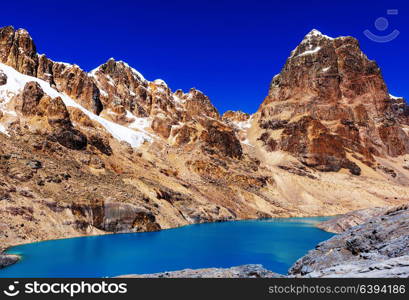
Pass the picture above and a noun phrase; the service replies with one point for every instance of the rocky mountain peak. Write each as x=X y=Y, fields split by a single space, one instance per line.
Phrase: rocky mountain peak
x=18 y=50
x=329 y=93
x=325 y=69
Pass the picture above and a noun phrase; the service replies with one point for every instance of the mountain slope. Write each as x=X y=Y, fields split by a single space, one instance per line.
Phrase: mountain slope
x=110 y=151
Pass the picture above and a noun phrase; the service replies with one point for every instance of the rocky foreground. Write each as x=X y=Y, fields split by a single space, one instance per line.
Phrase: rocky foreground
x=245 y=271
x=339 y=224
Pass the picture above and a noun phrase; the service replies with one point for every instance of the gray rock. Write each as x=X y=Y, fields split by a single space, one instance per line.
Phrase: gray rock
x=7 y=260
x=34 y=164
x=245 y=271
x=3 y=78
x=376 y=248
x=341 y=223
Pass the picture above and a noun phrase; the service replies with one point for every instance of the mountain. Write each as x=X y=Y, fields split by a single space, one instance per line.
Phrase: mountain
x=330 y=108
x=110 y=151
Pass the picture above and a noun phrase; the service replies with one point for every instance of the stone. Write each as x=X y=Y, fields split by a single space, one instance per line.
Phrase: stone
x=29 y=98
x=338 y=102
x=245 y=271
x=7 y=260
x=71 y=138
x=34 y=164
x=378 y=247
x=3 y=78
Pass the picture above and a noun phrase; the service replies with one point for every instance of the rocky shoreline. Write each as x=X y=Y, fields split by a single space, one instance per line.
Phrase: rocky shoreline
x=8 y=260
x=376 y=248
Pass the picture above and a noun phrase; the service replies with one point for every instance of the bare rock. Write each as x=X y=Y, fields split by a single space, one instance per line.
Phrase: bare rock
x=29 y=98
x=235 y=116
x=245 y=271
x=18 y=50
x=221 y=139
x=380 y=244
x=71 y=138
x=198 y=104
x=115 y=216
x=342 y=223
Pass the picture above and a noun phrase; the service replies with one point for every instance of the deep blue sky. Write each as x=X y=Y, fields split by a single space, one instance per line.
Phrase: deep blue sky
x=228 y=49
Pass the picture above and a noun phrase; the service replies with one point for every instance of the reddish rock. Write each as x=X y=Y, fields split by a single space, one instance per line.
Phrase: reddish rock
x=126 y=86
x=395 y=140
x=220 y=139
x=77 y=84
x=162 y=126
x=235 y=116
x=29 y=98
x=56 y=111
x=198 y=104
x=183 y=135
x=71 y=138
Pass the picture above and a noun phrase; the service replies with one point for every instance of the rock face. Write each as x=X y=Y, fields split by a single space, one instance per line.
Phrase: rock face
x=376 y=248
x=344 y=222
x=19 y=51
x=115 y=217
x=245 y=271
x=30 y=98
x=329 y=102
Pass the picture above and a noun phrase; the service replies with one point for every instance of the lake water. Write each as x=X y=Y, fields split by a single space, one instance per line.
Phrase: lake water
x=274 y=243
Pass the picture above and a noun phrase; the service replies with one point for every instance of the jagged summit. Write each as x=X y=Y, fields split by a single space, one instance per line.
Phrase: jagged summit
x=316 y=33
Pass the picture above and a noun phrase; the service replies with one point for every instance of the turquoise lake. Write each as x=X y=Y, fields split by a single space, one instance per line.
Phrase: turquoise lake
x=274 y=243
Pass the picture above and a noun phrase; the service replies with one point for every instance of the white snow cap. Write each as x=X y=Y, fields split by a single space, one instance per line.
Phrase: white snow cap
x=316 y=49
x=317 y=33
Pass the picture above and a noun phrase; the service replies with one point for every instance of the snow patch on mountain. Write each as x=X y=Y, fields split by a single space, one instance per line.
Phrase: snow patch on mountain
x=315 y=50
x=394 y=97
x=16 y=82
